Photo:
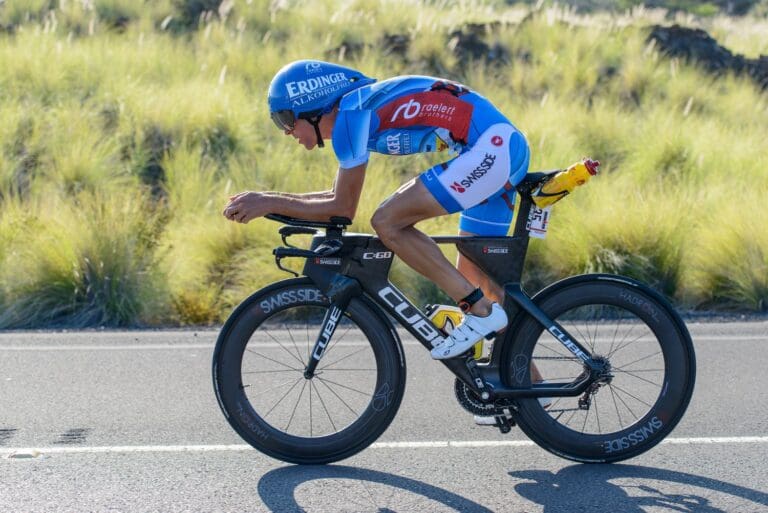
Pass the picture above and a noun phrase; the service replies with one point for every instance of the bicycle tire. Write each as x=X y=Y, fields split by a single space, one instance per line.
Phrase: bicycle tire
x=249 y=351
x=665 y=379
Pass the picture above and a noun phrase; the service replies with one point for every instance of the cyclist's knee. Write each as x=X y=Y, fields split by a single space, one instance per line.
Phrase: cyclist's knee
x=383 y=223
x=387 y=223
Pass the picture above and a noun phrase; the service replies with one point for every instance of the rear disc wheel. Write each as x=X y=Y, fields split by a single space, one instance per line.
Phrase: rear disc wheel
x=648 y=379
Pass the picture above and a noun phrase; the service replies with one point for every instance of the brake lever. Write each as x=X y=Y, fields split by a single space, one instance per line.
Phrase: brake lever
x=281 y=253
x=287 y=231
x=327 y=248
x=280 y=266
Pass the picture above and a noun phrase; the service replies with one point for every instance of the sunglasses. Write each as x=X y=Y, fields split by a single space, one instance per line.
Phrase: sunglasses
x=284 y=119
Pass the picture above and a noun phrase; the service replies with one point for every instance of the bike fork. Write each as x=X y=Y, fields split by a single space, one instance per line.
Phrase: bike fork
x=341 y=291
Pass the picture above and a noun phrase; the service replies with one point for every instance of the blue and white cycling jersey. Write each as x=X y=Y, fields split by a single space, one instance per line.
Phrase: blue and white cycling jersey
x=416 y=114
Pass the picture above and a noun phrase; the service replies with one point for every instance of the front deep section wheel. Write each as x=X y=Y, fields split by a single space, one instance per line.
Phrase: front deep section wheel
x=647 y=357
x=259 y=379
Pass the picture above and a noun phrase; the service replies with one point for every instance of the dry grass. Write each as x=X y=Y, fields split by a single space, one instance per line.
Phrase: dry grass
x=125 y=129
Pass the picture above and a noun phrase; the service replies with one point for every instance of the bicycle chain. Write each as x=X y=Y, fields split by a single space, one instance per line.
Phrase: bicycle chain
x=471 y=401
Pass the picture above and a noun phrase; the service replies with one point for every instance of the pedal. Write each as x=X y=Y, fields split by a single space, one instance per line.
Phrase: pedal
x=504 y=424
x=503 y=420
x=485 y=420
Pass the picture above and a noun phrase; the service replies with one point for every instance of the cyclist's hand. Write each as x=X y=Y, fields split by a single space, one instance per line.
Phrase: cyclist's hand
x=246 y=206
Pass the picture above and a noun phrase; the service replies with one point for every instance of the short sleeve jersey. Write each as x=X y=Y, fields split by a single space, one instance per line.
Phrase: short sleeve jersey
x=409 y=114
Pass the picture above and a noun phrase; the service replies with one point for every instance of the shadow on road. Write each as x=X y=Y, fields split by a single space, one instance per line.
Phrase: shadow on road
x=573 y=489
x=590 y=488
x=358 y=491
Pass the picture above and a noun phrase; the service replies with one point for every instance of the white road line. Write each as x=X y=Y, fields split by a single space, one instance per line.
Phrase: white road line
x=30 y=452
x=210 y=346
x=165 y=347
x=719 y=440
x=137 y=347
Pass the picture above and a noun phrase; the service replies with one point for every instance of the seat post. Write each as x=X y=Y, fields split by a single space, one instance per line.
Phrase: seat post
x=523 y=211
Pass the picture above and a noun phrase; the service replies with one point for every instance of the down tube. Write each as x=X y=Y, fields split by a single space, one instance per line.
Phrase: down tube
x=412 y=319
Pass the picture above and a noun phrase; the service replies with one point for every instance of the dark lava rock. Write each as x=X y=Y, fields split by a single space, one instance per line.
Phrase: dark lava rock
x=696 y=46
x=470 y=45
x=395 y=44
x=346 y=50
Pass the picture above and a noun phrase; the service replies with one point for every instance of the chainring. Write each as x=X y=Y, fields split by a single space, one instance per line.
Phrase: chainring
x=471 y=402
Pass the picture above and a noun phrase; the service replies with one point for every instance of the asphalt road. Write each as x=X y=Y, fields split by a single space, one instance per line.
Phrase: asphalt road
x=127 y=421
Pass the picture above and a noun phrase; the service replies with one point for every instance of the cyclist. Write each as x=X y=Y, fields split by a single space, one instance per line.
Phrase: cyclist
x=314 y=101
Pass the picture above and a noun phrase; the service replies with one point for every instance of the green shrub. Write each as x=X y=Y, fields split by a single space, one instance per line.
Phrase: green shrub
x=87 y=262
x=729 y=261
x=126 y=126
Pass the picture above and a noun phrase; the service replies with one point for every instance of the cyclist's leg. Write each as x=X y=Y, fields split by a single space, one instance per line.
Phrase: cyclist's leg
x=450 y=187
x=493 y=217
x=394 y=222
x=477 y=277
x=490 y=218
x=491 y=289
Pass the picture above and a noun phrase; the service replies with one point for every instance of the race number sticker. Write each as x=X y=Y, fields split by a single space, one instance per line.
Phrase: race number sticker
x=538 y=221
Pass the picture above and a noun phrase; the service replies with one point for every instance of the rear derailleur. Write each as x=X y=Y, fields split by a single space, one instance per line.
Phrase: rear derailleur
x=603 y=377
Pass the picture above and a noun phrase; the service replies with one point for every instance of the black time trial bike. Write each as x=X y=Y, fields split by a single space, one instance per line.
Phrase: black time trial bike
x=311 y=370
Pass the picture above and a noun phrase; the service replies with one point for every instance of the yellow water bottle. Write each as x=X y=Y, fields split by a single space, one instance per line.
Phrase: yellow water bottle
x=564 y=182
x=445 y=318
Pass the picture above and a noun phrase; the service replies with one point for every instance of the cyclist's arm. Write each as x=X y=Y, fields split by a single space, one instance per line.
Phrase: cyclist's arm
x=306 y=195
x=341 y=201
x=302 y=195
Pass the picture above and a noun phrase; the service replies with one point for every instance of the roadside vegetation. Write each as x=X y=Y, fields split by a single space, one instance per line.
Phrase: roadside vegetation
x=126 y=124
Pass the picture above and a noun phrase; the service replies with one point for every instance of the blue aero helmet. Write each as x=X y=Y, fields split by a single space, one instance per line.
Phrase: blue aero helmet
x=307 y=89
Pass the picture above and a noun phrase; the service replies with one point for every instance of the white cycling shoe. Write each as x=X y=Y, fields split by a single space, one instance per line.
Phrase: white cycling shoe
x=467 y=334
